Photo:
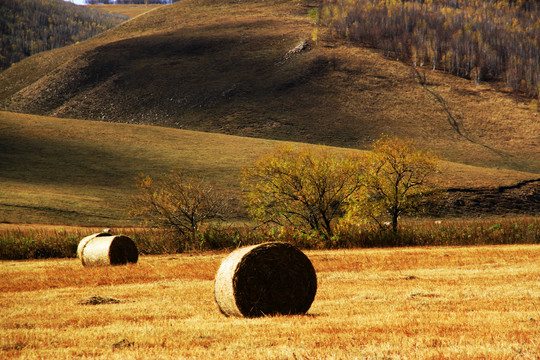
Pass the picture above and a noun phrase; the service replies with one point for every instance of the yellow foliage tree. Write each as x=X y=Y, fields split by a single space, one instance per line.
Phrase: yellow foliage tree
x=306 y=188
x=396 y=179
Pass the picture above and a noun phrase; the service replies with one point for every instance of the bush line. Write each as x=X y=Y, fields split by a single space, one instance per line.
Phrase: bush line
x=20 y=244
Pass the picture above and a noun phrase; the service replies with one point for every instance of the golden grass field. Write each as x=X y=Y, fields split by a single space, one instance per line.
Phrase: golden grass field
x=422 y=303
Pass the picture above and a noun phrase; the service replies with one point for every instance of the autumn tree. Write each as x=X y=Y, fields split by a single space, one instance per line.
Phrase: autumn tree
x=396 y=179
x=480 y=40
x=177 y=202
x=306 y=188
x=31 y=26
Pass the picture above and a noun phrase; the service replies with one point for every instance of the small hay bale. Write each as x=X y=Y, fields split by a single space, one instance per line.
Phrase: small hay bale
x=104 y=249
x=85 y=240
x=266 y=279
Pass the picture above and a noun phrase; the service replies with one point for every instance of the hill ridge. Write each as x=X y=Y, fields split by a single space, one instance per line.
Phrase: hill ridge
x=218 y=67
x=69 y=171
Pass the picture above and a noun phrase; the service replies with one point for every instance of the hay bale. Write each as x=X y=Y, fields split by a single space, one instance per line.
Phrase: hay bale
x=103 y=249
x=85 y=240
x=266 y=279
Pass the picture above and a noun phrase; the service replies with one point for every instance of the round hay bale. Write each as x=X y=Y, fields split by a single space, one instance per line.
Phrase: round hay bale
x=265 y=279
x=105 y=249
x=83 y=242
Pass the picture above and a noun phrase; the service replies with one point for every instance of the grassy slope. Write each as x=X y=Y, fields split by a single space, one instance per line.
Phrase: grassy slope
x=66 y=171
x=220 y=66
x=73 y=171
x=126 y=10
x=441 y=303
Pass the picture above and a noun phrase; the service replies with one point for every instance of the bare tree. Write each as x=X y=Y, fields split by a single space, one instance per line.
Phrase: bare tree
x=179 y=203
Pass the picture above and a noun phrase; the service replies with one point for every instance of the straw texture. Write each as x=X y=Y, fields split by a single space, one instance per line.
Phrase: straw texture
x=103 y=249
x=266 y=279
x=84 y=241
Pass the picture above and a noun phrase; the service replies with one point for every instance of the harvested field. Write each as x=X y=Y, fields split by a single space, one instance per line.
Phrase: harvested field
x=422 y=303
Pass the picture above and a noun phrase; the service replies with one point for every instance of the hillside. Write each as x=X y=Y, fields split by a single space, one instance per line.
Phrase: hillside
x=228 y=67
x=79 y=172
x=129 y=10
x=28 y=27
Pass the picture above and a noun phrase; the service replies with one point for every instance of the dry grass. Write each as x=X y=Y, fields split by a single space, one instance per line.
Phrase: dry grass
x=65 y=171
x=425 y=303
x=126 y=10
x=218 y=66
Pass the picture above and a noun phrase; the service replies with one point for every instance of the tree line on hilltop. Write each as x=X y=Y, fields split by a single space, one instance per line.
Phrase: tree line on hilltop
x=28 y=27
x=476 y=39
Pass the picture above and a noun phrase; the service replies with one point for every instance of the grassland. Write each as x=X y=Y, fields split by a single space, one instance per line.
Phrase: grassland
x=78 y=172
x=424 y=303
x=64 y=171
x=129 y=10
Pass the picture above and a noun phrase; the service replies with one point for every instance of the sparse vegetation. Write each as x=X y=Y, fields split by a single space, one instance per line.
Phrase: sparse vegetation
x=178 y=203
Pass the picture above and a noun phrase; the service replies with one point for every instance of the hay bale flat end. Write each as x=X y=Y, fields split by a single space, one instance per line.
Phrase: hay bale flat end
x=267 y=279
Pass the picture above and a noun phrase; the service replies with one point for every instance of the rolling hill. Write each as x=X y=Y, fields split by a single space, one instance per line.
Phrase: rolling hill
x=176 y=83
x=80 y=172
x=231 y=67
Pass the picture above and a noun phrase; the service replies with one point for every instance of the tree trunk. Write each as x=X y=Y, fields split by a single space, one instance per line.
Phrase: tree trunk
x=395 y=222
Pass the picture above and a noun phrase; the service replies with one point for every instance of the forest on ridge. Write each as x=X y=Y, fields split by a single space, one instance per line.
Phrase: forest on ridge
x=28 y=27
x=476 y=39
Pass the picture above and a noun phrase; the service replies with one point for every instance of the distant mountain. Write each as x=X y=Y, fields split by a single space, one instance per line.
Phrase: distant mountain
x=260 y=69
x=28 y=27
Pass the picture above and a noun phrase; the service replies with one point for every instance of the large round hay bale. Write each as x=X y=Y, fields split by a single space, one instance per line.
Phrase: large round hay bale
x=266 y=279
x=105 y=249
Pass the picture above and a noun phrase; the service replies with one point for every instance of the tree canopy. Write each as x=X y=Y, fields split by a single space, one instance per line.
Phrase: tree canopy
x=396 y=180
x=304 y=188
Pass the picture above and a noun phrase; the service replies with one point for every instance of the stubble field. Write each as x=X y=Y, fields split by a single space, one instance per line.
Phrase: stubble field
x=409 y=303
